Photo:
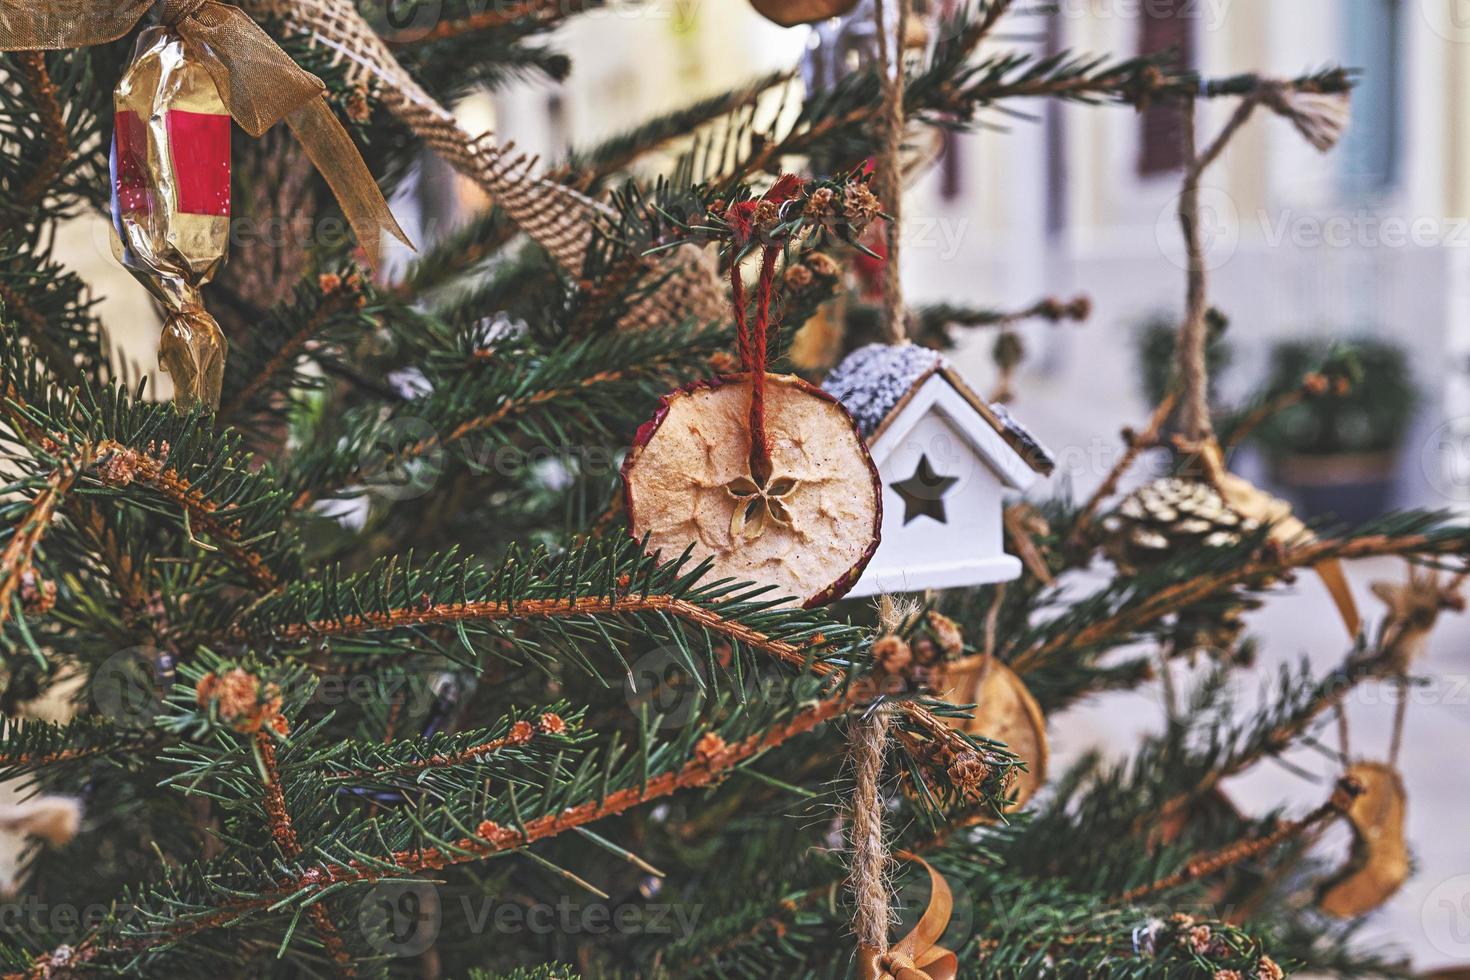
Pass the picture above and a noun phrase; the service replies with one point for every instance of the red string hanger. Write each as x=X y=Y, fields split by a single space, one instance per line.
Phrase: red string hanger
x=754 y=344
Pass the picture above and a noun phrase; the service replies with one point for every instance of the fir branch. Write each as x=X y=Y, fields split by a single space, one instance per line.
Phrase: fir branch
x=522 y=740
x=489 y=839
x=515 y=388
x=30 y=746
x=52 y=128
x=1202 y=866
x=38 y=332
x=1255 y=572
x=322 y=307
x=25 y=536
x=122 y=466
x=544 y=13
x=587 y=169
x=284 y=834
x=630 y=601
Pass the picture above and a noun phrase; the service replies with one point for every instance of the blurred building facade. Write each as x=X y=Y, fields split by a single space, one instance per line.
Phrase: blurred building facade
x=1371 y=239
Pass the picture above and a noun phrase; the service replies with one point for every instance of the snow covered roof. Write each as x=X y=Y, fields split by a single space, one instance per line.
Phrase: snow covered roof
x=872 y=380
x=876 y=380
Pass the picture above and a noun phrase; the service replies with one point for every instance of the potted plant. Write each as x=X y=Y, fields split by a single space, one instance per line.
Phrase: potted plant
x=1334 y=448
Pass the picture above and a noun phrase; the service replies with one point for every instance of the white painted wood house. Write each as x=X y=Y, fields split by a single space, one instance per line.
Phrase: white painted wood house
x=946 y=460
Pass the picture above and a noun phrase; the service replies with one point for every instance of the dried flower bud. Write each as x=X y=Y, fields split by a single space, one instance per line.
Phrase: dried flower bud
x=520 y=733
x=118 y=469
x=1198 y=939
x=860 y=206
x=328 y=283
x=1008 y=351
x=819 y=205
x=767 y=215
x=1228 y=975
x=551 y=723
x=489 y=829
x=823 y=265
x=1315 y=384
x=947 y=634
x=356 y=104
x=724 y=362
x=892 y=654
x=1268 y=970
x=798 y=276
x=37 y=595
x=968 y=772
x=243 y=702
x=709 y=747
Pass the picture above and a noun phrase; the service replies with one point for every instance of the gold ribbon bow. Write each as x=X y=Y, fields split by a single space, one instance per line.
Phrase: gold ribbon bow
x=917 y=956
x=257 y=81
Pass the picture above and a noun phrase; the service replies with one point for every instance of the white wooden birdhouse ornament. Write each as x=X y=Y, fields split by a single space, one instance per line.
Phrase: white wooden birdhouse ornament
x=946 y=459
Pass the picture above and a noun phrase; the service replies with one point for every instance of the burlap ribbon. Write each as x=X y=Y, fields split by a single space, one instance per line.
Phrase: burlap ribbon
x=257 y=81
x=917 y=956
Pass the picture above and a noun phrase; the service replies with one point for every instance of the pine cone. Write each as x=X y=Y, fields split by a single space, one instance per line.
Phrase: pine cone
x=1168 y=516
x=1171 y=516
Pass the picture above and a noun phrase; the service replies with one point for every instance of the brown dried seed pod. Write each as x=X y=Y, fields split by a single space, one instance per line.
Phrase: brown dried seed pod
x=892 y=654
x=809 y=529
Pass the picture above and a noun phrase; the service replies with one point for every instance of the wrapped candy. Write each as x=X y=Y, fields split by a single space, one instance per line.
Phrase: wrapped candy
x=171 y=163
x=171 y=201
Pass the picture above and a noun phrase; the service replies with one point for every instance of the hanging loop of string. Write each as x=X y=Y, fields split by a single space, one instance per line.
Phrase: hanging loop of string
x=753 y=342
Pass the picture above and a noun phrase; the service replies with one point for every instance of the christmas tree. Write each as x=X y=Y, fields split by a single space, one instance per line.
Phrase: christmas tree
x=418 y=635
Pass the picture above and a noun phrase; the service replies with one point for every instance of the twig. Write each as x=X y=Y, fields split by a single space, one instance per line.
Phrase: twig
x=1205 y=865
x=788 y=653
x=1135 y=444
x=53 y=128
x=459 y=758
x=500 y=15
x=284 y=834
x=343 y=299
x=1201 y=587
x=1253 y=419
x=132 y=465
x=15 y=560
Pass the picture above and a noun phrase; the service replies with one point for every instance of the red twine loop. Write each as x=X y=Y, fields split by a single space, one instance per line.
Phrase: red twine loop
x=753 y=344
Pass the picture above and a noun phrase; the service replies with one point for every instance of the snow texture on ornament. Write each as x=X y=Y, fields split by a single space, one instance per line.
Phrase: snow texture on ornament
x=872 y=380
x=808 y=529
x=1020 y=436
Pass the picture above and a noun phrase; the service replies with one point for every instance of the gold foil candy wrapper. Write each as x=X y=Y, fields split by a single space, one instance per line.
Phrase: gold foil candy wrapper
x=171 y=201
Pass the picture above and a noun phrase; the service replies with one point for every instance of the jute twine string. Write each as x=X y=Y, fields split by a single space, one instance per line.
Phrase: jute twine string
x=889 y=163
x=872 y=863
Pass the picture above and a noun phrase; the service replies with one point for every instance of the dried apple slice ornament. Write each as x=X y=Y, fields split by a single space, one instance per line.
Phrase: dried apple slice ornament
x=764 y=474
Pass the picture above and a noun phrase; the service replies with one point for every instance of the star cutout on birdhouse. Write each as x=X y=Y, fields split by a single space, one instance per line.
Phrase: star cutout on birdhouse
x=923 y=493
